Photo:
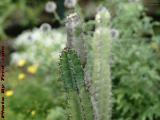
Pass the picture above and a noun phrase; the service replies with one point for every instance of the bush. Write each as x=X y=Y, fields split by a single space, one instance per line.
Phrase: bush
x=135 y=67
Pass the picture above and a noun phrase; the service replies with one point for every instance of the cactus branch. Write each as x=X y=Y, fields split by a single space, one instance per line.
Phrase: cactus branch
x=79 y=105
x=75 y=36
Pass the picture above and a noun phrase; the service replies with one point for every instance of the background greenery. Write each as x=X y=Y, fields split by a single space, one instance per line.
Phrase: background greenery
x=34 y=92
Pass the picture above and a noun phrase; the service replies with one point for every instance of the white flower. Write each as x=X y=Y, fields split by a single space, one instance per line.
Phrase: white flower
x=45 y=27
x=70 y=3
x=35 y=35
x=24 y=39
x=41 y=47
x=27 y=38
x=50 y=7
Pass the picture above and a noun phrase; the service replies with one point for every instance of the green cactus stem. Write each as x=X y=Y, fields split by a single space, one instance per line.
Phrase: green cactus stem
x=101 y=65
x=98 y=68
x=101 y=73
x=78 y=100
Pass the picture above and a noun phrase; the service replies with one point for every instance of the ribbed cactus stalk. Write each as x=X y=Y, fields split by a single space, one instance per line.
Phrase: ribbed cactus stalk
x=78 y=100
x=87 y=81
x=75 y=36
x=101 y=78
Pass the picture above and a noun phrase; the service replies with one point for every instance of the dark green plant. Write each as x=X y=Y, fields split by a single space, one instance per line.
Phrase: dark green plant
x=78 y=100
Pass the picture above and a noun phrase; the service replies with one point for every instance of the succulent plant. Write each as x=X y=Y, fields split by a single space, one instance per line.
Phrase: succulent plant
x=78 y=100
x=75 y=36
x=98 y=67
x=88 y=87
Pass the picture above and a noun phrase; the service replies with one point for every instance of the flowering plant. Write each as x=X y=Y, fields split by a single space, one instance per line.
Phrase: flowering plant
x=37 y=45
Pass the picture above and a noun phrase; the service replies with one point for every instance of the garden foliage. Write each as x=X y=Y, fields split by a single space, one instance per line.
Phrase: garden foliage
x=35 y=90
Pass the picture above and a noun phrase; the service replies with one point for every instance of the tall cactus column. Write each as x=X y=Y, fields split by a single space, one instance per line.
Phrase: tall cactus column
x=79 y=105
x=100 y=73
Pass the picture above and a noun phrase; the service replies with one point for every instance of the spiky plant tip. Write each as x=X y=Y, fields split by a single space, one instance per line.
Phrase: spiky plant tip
x=72 y=21
x=103 y=16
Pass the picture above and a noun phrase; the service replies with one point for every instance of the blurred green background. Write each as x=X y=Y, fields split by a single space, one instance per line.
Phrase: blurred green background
x=33 y=33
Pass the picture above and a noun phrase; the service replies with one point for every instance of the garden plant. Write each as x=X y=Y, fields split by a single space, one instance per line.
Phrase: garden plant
x=81 y=59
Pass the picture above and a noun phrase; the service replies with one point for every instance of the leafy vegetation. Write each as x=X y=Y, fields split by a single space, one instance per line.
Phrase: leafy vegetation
x=34 y=90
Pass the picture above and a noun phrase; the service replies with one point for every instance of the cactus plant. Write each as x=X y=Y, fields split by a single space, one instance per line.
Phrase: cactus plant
x=75 y=36
x=88 y=87
x=101 y=81
x=97 y=70
x=78 y=101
